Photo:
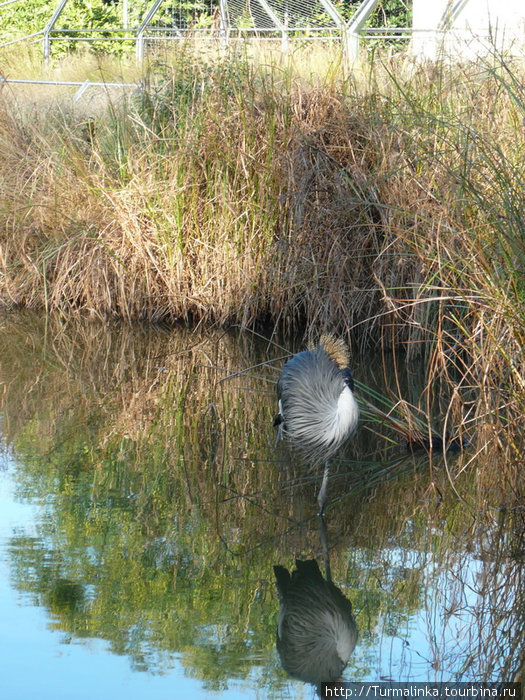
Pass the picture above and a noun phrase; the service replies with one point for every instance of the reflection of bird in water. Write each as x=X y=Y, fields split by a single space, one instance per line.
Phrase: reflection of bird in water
x=317 y=408
x=316 y=631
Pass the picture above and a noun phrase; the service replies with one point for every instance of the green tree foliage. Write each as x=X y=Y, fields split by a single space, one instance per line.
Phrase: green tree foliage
x=24 y=17
x=388 y=13
x=392 y=13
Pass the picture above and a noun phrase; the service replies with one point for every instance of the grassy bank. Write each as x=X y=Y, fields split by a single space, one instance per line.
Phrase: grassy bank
x=388 y=207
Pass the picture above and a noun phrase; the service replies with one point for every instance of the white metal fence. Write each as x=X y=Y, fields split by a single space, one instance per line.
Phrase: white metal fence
x=221 y=20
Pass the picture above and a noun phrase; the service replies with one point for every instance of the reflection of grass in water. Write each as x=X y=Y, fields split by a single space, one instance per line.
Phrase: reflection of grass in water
x=467 y=587
x=192 y=395
x=169 y=504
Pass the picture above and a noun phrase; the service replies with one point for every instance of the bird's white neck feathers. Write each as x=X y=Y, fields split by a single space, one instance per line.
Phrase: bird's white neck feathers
x=344 y=418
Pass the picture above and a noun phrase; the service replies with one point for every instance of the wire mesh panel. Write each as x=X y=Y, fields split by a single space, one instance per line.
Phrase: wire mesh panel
x=179 y=17
x=149 y=24
x=289 y=15
x=243 y=17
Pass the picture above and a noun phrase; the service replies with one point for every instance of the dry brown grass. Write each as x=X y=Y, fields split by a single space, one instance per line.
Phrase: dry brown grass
x=253 y=203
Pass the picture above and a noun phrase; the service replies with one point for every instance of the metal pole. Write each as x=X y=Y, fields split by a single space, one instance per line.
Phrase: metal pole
x=223 y=21
x=451 y=14
x=333 y=13
x=354 y=28
x=341 y=25
x=46 y=42
x=363 y=13
x=22 y=38
x=284 y=37
x=140 y=32
x=351 y=47
x=271 y=14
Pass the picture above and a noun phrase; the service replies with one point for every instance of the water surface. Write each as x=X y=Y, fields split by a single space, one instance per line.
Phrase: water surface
x=143 y=506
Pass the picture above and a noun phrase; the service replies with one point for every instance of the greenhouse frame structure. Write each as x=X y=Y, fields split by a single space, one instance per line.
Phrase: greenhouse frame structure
x=224 y=21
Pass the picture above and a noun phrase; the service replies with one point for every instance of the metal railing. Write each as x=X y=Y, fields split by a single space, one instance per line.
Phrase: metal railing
x=82 y=86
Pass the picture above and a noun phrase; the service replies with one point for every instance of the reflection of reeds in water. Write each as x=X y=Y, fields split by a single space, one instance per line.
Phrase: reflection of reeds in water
x=205 y=396
x=144 y=386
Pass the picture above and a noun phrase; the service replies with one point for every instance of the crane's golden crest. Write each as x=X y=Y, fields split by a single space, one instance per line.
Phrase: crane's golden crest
x=336 y=349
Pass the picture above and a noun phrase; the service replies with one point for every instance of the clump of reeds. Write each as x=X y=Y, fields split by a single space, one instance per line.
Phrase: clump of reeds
x=223 y=193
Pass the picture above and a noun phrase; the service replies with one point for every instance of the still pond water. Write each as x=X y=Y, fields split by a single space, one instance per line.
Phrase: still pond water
x=143 y=506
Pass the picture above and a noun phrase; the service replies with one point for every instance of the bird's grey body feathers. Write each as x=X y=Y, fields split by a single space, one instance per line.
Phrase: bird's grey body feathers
x=317 y=409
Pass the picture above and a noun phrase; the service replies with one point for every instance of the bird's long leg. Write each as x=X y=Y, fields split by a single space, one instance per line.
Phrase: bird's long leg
x=324 y=542
x=322 y=496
